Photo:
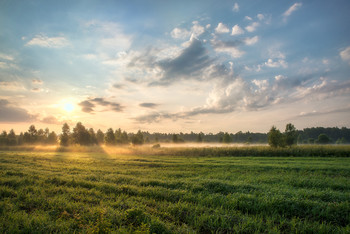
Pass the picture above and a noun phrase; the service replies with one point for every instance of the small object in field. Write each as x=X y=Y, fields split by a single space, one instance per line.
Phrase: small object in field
x=156 y=146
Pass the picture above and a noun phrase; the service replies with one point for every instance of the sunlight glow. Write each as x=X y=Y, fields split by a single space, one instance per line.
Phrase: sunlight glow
x=69 y=107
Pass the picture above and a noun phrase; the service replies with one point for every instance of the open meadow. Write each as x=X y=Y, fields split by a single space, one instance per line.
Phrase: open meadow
x=122 y=191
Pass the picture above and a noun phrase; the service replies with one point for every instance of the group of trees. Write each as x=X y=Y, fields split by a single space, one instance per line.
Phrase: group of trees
x=87 y=136
x=278 y=139
x=32 y=136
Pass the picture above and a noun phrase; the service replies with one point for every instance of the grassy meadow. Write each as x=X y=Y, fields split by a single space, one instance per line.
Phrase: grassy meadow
x=126 y=191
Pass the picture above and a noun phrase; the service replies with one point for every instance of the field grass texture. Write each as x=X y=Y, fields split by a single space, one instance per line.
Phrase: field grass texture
x=89 y=192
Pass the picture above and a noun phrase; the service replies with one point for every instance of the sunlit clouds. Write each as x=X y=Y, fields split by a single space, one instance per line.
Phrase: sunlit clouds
x=175 y=66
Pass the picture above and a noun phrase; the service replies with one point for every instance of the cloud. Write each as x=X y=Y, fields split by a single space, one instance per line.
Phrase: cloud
x=179 y=33
x=37 y=81
x=48 y=42
x=276 y=64
x=196 y=31
x=11 y=86
x=229 y=47
x=290 y=10
x=51 y=120
x=248 y=18
x=6 y=57
x=36 y=90
x=260 y=17
x=89 y=105
x=252 y=27
x=251 y=41
x=222 y=28
x=119 y=86
x=189 y=63
x=345 y=54
x=148 y=105
x=12 y=113
x=235 y=7
x=236 y=30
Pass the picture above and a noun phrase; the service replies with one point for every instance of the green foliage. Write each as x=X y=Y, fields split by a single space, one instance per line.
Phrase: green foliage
x=55 y=192
x=323 y=139
x=275 y=138
x=137 y=139
x=64 y=138
x=81 y=135
x=110 y=137
x=290 y=135
x=226 y=138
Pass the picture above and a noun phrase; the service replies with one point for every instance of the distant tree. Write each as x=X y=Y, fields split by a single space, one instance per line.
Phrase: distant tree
x=41 y=138
x=93 y=138
x=33 y=134
x=110 y=137
x=226 y=138
x=3 y=138
x=275 y=137
x=64 y=138
x=80 y=135
x=323 y=139
x=124 y=138
x=11 y=138
x=311 y=141
x=26 y=138
x=52 y=138
x=137 y=139
x=20 y=139
x=341 y=141
x=290 y=135
x=200 y=137
x=100 y=137
x=175 y=139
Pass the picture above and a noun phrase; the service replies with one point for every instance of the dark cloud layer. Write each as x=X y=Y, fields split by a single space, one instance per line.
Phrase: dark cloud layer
x=89 y=105
x=11 y=113
x=148 y=105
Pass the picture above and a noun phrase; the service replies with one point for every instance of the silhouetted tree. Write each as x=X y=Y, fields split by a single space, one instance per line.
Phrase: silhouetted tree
x=33 y=134
x=226 y=138
x=52 y=138
x=109 y=137
x=323 y=139
x=275 y=137
x=64 y=138
x=175 y=138
x=80 y=135
x=100 y=136
x=290 y=134
x=137 y=139
x=93 y=138
x=12 y=138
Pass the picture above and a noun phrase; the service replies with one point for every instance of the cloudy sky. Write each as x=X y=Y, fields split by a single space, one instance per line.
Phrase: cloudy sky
x=175 y=66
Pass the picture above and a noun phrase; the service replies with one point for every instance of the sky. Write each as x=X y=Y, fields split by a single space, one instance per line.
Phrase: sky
x=174 y=66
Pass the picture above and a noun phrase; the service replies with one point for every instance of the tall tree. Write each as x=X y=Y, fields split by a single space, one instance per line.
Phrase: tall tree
x=137 y=139
x=275 y=137
x=109 y=137
x=290 y=135
x=80 y=135
x=64 y=138
x=100 y=136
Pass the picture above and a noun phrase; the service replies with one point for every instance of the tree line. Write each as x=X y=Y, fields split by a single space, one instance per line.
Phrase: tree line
x=87 y=136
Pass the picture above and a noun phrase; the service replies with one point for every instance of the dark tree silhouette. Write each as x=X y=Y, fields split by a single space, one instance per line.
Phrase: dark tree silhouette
x=290 y=135
x=109 y=137
x=64 y=138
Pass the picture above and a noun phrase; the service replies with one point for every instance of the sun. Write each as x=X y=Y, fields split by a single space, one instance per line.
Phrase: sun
x=69 y=107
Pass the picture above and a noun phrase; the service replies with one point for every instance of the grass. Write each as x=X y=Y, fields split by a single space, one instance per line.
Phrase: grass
x=45 y=192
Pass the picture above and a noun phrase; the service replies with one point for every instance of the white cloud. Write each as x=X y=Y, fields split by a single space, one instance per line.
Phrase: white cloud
x=179 y=33
x=291 y=9
x=279 y=77
x=248 y=18
x=236 y=30
x=275 y=64
x=48 y=42
x=260 y=16
x=251 y=41
x=208 y=26
x=345 y=54
x=252 y=27
x=197 y=29
x=222 y=28
x=235 y=7
x=6 y=57
x=11 y=86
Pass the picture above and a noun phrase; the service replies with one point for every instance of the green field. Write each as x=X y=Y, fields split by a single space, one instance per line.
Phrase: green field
x=43 y=192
